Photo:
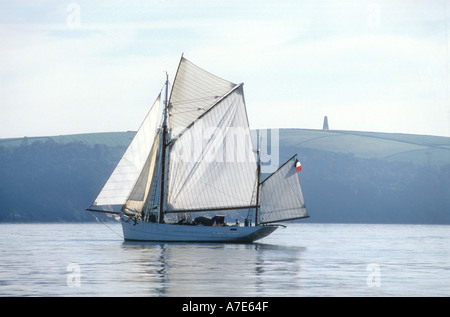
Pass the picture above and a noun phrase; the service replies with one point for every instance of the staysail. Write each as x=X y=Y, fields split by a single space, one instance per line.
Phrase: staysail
x=281 y=195
x=120 y=184
x=138 y=198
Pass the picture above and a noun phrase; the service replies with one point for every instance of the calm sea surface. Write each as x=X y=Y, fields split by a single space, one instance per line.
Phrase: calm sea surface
x=301 y=260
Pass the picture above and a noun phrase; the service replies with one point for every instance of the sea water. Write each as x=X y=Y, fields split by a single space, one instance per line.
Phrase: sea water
x=305 y=259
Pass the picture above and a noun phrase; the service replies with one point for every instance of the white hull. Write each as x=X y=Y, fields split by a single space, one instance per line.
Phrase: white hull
x=150 y=231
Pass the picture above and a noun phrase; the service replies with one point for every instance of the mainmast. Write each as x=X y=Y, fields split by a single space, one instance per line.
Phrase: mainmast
x=163 y=152
x=258 y=178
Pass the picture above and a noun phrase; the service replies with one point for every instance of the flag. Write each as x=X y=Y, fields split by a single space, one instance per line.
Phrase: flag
x=298 y=165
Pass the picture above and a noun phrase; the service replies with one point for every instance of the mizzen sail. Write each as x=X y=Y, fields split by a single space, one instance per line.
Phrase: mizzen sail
x=281 y=195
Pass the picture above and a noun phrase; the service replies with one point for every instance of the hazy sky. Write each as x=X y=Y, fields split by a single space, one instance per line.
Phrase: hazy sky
x=97 y=66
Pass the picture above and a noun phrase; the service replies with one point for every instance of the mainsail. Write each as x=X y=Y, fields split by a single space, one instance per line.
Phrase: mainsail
x=198 y=153
x=212 y=165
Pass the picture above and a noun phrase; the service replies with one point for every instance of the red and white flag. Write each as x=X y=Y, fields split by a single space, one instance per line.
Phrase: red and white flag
x=298 y=165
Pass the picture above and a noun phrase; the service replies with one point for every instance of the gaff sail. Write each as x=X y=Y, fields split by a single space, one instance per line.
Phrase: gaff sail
x=281 y=195
x=212 y=164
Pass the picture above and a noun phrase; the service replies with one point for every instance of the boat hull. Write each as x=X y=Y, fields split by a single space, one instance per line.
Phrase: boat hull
x=149 y=231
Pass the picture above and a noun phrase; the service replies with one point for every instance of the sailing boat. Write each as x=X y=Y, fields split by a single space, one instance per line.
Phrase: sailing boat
x=193 y=153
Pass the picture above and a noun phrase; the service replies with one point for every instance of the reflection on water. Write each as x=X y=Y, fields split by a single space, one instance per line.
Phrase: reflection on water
x=214 y=269
x=301 y=260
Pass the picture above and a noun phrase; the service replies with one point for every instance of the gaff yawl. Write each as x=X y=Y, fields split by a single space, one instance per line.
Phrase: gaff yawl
x=193 y=153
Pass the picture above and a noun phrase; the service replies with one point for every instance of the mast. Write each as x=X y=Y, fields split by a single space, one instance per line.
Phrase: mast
x=163 y=152
x=258 y=178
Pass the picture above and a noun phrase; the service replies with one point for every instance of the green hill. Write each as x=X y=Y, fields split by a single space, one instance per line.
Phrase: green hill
x=110 y=139
x=417 y=149
x=55 y=178
x=372 y=177
x=347 y=176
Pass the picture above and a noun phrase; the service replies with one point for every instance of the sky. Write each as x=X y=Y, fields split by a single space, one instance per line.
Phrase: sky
x=69 y=67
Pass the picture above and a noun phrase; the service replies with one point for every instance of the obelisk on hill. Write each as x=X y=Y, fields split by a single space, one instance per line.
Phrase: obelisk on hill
x=325 y=124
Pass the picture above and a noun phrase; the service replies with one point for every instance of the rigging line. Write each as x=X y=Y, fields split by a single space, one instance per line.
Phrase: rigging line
x=98 y=220
x=189 y=101
x=185 y=114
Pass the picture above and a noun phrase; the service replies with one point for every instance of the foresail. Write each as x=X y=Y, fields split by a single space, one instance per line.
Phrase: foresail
x=212 y=164
x=194 y=91
x=281 y=197
x=139 y=196
x=121 y=182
